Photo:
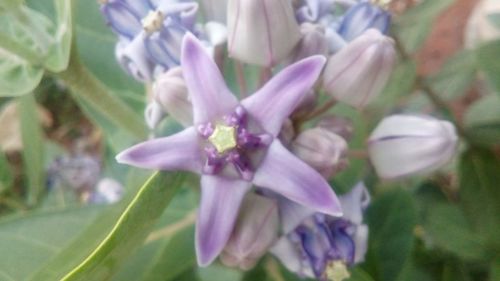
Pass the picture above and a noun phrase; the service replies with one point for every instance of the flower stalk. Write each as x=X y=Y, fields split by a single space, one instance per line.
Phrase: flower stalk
x=83 y=84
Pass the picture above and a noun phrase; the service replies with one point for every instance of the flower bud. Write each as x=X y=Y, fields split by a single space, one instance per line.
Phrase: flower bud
x=153 y=115
x=313 y=42
x=171 y=93
x=261 y=32
x=322 y=150
x=337 y=125
x=362 y=17
x=359 y=71
x=403 y=145
x=132 y=57
x=254 y=233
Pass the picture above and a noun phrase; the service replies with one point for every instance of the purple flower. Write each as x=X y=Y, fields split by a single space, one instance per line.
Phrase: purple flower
x=233 y=145
x=362 y=17
x=322 y=246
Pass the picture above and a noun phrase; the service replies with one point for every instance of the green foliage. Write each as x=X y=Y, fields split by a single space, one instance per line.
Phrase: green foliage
x=482 y=121
x=6 y=178
x=491 y=67
x=115 y=234
x=391 y=219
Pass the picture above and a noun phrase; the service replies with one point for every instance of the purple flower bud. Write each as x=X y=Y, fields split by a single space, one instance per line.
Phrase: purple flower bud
x=133 y=58
x=403 y=145
x=362 y=17
x=320 y=246
x=255 y=231
x=337 y=125
x=171 y=93
x=358 y=72
x=313 y=42
x=322 y=150
x=261 y=32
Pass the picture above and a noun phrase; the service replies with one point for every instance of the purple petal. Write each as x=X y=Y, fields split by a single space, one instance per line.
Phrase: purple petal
x=286 y=174
x=210 y=96
x=177 y=152
x=122 y=18
x=272 y=104
x=220 y=201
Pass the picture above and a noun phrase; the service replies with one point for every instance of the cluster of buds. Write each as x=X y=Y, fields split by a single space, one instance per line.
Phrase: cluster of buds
x=270 y=156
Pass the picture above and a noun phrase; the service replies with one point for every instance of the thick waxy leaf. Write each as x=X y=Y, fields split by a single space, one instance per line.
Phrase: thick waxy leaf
x=59 y=54
x=479 y=193
x=449 y=229
x=29 y=241
x=33 y=147
x=104 y=247
x=490 y=66
x=391 y=219
x=482 y=121
x=17 y=76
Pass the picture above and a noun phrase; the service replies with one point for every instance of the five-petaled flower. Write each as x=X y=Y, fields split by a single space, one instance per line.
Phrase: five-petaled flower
x=233 y=145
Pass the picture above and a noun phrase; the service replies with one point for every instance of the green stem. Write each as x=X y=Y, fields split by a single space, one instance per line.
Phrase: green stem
x=86 y=86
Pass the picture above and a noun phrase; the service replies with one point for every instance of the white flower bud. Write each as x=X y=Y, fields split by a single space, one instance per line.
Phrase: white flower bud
x=171 y=93
x=313 y=42
x=403 y=145
x=254 y=233
x=359 y=71
x=261 y=32
x=322 y=150
x=153 y=115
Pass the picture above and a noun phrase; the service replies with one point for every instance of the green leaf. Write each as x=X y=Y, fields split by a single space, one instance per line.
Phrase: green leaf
x=6 y=177
x=482 y=121
x=358 y=274
x=391 y=219
x=33 y=147
x=29 y=241
x=104 y=247
x=412 y=27
x=400 y=85
x=449 y=229
x=217 y=272
x=59 y=54
x=456 y=76
x=495 y=270
x=479 y=193
x=6 y=5
x=486 y=55
x=17 y=76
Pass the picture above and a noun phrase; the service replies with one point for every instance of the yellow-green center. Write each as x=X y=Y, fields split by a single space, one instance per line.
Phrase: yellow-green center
x=153 y=21
x=223 y=138
x=337 y=271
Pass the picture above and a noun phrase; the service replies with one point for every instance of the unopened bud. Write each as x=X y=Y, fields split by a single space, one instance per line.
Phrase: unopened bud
x=359 y=71
x=403 y=145
x=153 y=115
x=338 y=125
x=261 y=32
x=312 y=42
x=322 y=150
x=171 y=93
x=133 y=58
x=362 y=17
x=255 y=232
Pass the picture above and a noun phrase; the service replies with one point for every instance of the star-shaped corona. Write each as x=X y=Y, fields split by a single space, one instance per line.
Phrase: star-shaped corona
x=223 y=138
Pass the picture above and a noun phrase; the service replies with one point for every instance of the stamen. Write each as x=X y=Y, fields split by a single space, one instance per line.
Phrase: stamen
x=223 y=138
x=336 y=271
x=153 y=21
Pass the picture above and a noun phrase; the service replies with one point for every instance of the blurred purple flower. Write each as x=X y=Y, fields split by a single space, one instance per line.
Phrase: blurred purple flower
x=320 y=246
x=233 y=145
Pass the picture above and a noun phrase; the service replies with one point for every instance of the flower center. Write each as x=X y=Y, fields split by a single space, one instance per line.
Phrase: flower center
x=223 y=138
x=153 y=21
x=336 y=271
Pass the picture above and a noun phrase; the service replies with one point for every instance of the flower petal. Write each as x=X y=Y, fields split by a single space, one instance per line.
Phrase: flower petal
x=208 y=91
x=178 y=152
x=286 y=174
x=123 y=19
x=354 y=203
x=220 y=201
x=272 y=104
